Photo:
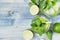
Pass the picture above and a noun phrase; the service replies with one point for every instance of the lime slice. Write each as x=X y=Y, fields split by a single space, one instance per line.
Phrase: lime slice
x=28 y=35
x=34 y=9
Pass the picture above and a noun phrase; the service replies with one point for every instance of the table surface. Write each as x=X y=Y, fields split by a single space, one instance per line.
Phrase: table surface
x=12 y=30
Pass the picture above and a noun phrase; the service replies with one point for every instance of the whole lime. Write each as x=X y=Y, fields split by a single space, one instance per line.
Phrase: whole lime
x=56 y=27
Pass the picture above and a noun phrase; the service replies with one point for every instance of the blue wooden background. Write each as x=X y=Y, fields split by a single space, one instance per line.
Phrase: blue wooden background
x=11 y=27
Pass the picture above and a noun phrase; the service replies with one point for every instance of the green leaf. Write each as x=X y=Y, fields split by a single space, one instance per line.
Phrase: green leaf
x=35 y=2
x=42 y=4
x=49 y=34
x=42 y=24
x=30 y=4
x=43 y=20
x=56 y=12
x=37 y=21
x=35 y=29
x=33 y=25
x=40 y=31
x=46 y=27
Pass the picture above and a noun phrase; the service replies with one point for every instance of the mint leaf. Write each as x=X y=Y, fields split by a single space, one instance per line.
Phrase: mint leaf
x=35 y=2
x=49 y=34
x=31 y=3
x=40 y=31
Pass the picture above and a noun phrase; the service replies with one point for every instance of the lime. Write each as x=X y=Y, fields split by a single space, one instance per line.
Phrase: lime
x=34 y=9
x=28 y=35
x=56 y=27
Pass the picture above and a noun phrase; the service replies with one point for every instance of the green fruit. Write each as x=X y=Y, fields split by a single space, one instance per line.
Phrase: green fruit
x=56 y=27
